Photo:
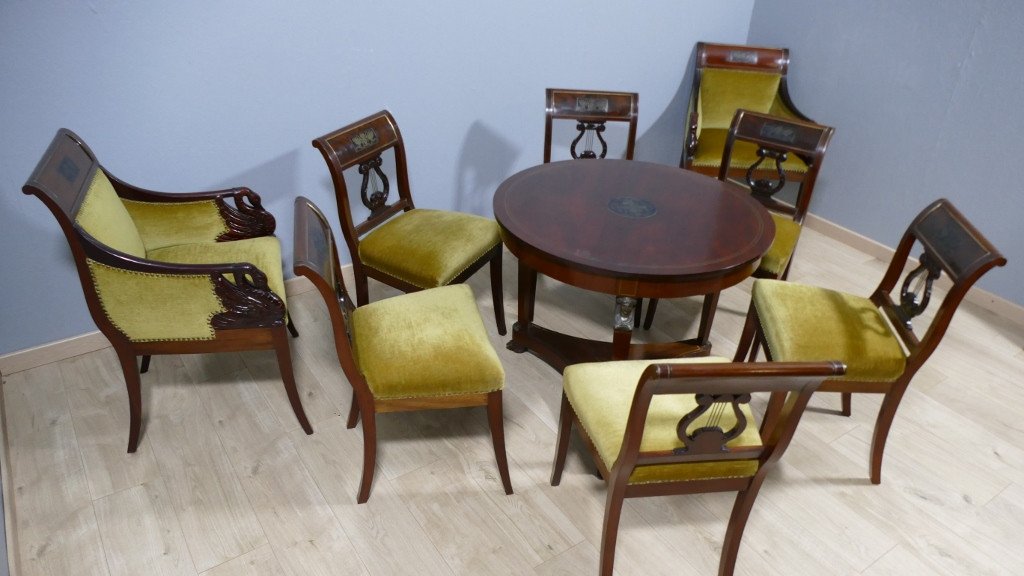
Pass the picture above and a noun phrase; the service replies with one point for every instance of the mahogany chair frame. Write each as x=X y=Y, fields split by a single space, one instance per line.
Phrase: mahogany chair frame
x=776 y=138
x=591 y=110
x=790 y=386
x=733 y=57
x=254 y=318
x=316 y=258
x=360 y=145
x=951 y=245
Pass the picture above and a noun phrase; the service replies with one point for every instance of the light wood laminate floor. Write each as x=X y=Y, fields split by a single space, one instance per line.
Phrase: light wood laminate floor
x=225 y=483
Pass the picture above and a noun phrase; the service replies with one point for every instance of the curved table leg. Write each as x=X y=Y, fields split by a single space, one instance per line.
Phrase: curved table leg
x=527 y=298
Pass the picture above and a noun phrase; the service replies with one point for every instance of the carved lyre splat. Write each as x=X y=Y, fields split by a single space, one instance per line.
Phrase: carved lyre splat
x=710 y=437
x=375 y=187
x=916 y=291
x=588 y=130
x=767 y=187
x=590 y=105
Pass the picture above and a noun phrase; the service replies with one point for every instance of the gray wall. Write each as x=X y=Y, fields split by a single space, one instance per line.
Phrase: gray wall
x=192 y=95
x=926 y=100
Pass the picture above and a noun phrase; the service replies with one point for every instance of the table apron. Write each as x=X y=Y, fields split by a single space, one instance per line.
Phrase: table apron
x=637 y=287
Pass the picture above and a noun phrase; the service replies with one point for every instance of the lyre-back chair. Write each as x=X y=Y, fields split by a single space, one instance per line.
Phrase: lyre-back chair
x=773 y=141
x=167 y=273
x=727 y=78
x=591 y=110
x=875 y=336
x=420 y=351
x=682 y=427
x=398 y=244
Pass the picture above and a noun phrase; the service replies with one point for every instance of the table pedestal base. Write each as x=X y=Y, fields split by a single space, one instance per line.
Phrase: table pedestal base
x=560 y=350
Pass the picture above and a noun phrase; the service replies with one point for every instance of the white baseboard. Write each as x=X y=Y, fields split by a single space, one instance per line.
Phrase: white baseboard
x=977 y=296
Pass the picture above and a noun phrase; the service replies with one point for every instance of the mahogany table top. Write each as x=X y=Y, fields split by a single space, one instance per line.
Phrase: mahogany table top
x=626 y=219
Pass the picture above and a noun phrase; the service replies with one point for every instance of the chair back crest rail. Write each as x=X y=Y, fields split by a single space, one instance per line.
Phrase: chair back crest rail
x=950 y=244
x=591 y=109
x=718 y=388
x=361 y=145
x=739 y=57
x=775 y=139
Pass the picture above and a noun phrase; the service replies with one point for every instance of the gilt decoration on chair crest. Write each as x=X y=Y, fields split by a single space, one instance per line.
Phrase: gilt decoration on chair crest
x=375 y=187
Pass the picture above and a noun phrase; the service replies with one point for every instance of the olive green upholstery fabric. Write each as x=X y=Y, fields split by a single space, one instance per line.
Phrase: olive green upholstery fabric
x=601 y=394
x=105 y=218
x=787 y=233
x=164 y=307
x=163 y=224
x=428 y=248
x=438 y=335
x=807 y=323
x=722 y=92
x=711 y=146
x=263 y=252
x=156 y=307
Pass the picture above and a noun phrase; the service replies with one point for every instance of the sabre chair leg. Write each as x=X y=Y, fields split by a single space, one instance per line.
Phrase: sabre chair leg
x=284 y=362
x=291 y=327
x=562 y=443
x=610 y=531
x=737 y=522
x=886 y=415
x=498 y=293
x=369 y=455
x=496 y=421
x=133 y=383
x=847 y=400
x=145 y=364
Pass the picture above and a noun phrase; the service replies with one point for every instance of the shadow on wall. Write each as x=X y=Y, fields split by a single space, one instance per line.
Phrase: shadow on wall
x=277 y=183
x=485 y=160
x=662 y=142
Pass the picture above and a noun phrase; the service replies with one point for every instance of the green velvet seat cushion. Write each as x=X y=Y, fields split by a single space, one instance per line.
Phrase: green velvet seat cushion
x=601 y=394
x=723 y=92
x=807 y=323
x=787 y=233
x=711 y=146
x=104 y=217
x=263 y=253
x=163 y=224
x=428 y=248
x=428 y=343
x=149 y=307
